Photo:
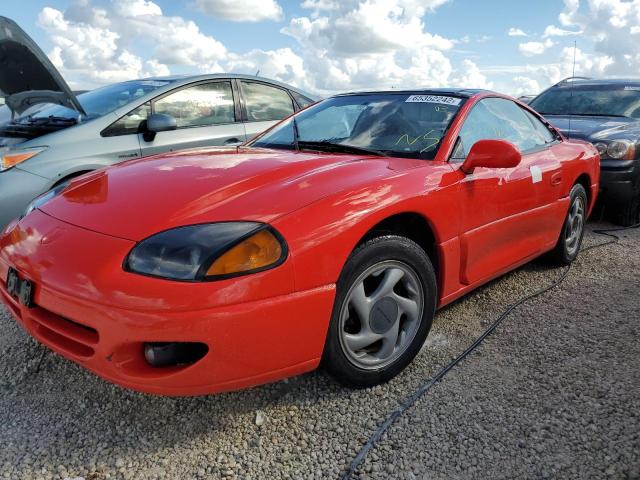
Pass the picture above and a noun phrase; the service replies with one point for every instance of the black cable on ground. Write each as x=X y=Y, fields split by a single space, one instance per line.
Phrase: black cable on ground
x=409 y=401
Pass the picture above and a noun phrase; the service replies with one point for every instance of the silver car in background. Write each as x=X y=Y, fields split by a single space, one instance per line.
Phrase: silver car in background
x=50 y=135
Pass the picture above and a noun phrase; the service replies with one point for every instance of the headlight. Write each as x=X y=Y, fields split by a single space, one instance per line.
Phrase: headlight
x=14 y=157
x=621 y=149
x=208 y=252
x=44 y=198
x=602 y=148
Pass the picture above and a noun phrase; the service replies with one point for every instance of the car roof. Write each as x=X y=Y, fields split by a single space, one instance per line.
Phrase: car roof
x=217 y=76
x=580 y=81
x=459 y=92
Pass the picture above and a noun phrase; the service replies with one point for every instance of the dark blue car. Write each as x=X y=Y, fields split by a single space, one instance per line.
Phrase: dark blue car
x=607 y=114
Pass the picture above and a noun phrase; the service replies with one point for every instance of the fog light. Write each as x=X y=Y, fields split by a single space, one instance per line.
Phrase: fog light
x=169 y=354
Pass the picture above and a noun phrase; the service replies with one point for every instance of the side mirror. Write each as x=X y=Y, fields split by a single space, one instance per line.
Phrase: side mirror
x=492 y=154
x=159 y=122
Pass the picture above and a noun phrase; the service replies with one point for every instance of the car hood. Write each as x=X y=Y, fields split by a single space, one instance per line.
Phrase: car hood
x=591 y=128
x=27 y=77
x=139 y=198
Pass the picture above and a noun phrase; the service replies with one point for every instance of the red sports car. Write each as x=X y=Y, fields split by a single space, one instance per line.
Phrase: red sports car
x=330 y=239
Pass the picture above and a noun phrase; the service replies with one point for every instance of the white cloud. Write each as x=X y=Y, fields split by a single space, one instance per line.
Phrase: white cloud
x=339 y=45
x=282 y=64
x=136 y=8
x=241 y=10
x=90 y=52
x=516 y=32
x=612 y=26
x=607 y=44
x=567 y=16
x=553 y=31
x=374 y=26
x=94 y=46
x=522 y=77
x=590 y=64
x=607 y=34
x=155 y=69
x=175 y=41
x=352 y=45
x=319 y=6
x=470 y=76
x=526 y=86
x=530 y=49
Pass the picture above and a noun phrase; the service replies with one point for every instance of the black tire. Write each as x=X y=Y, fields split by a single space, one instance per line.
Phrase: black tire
x=629 y=213
x=374 y=252
x=562 y=254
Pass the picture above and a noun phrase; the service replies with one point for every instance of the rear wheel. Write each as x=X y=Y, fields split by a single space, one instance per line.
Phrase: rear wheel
x=570 y=241
x=384 y=307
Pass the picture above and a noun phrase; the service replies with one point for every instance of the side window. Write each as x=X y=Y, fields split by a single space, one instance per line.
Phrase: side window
x=266 y=103
x=497 y=119
x=130 y=123
x=541 y=129
x=200 y=105
x=301 y=99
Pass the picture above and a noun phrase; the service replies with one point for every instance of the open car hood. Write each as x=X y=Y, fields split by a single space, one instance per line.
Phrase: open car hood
x=27 y=76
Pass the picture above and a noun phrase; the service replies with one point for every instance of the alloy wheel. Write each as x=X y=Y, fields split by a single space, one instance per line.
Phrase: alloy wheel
x=381 y=314
x=575 y=226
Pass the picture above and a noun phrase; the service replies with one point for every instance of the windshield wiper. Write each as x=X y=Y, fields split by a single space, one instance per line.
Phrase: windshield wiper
x=338 y=147
x=296 y=134
x=50 y=119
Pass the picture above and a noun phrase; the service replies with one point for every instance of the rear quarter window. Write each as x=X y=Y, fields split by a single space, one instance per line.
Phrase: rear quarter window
x=301 y=100
x=265 y=103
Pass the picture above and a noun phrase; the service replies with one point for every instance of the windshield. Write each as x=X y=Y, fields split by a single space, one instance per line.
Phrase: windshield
x=398 y=125
x=604 y=100
x=97 y=102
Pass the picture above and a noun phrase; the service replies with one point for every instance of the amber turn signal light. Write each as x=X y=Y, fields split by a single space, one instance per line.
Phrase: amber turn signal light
x=12 y=159
x=258 y=251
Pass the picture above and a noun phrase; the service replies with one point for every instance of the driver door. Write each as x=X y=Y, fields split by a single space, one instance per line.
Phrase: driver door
x=501 y=222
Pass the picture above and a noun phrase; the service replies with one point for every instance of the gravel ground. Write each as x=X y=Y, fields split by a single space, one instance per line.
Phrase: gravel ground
x=552 y=394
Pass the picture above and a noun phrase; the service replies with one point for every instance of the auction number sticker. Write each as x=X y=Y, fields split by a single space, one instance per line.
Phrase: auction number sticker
x=433 y=99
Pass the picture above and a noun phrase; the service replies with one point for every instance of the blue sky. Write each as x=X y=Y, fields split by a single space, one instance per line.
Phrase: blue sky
x=330 y=45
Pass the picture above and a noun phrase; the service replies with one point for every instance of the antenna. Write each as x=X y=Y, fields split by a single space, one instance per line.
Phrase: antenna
x=573 y=74
x=258 y=72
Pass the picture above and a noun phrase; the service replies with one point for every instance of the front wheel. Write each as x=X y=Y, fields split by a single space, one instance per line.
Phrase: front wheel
x=384 y=307
x=570 y=241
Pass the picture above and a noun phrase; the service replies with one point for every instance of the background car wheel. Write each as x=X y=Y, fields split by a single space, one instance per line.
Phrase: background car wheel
x=570 y=241
x=629 y=213
x=384 y=307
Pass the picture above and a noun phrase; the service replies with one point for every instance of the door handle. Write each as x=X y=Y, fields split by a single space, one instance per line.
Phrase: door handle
x=556 y=179
x=233 y=141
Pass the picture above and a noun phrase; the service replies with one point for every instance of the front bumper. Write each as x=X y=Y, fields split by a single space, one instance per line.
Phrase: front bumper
x=619 y=180
x=17 y=189
x=250 y=342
